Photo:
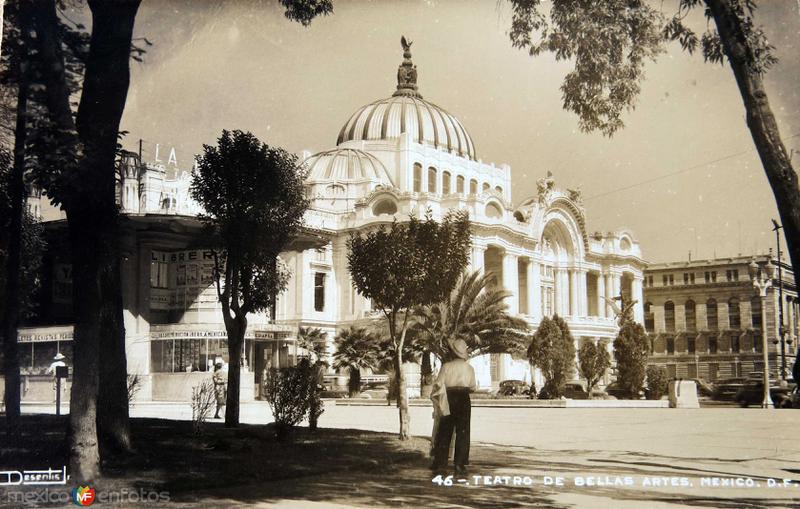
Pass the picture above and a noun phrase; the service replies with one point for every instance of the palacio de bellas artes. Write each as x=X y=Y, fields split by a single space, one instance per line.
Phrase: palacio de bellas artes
x=630 y=203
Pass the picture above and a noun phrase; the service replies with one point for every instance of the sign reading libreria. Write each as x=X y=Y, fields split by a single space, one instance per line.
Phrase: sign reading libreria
x=182 y=279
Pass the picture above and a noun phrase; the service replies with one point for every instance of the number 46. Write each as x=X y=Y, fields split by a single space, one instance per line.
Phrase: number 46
x=446 y=481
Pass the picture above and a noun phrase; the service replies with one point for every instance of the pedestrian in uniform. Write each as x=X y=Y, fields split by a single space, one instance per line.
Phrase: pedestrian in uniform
x=458 y=379
x=220 y=382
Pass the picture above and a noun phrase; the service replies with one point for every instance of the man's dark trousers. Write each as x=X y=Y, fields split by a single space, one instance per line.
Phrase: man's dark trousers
x=460 y=411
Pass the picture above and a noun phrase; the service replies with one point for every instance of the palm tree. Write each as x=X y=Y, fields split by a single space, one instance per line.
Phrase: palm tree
x=356 y=349
x=313 y=339
x=474 y=312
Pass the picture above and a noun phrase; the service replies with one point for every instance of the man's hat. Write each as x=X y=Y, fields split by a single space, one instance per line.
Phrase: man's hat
x=459 y=348
x=59 y=357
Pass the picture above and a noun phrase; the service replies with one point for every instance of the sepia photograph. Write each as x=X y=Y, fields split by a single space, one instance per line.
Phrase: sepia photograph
x=344 y=254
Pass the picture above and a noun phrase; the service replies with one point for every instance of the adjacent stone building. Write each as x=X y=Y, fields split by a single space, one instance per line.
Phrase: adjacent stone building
x=704 y=317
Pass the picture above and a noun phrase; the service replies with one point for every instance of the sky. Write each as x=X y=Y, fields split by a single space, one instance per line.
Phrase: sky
x=683 y=175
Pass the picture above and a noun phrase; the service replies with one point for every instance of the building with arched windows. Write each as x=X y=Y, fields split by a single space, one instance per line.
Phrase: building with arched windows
x=403 y=155
x=704 y=318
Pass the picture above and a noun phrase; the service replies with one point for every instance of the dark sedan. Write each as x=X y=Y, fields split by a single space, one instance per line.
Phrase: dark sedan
x=727 y=388
x=752 y=393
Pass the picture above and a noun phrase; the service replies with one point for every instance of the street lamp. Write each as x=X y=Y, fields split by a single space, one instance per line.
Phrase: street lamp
x=777 y=229
x=761 y=283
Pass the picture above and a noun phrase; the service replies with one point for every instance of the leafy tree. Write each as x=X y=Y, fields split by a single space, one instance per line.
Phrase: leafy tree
x=406 y=265
x=289 y=392
x=610 y=42
x=631 y=350
x=657 y=381
x=356 y=349
x=475 y=312
x=552 y=350
x=593 y=362
x=254 y=200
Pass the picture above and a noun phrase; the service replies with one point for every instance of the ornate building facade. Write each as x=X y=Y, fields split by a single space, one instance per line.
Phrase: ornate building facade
x=403 y=155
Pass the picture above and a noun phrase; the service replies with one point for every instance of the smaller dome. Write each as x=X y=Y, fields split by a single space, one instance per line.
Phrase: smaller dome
x=346 y=165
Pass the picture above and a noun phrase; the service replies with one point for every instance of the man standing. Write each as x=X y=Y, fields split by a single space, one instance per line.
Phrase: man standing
x=458 y=379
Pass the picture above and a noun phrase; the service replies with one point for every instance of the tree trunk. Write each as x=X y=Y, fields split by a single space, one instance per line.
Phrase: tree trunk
x=93 y=221
x=14 y=248
x=112 y=405
x=426 y=378
x=354 y=383
x=235 y=328
x=763 y=127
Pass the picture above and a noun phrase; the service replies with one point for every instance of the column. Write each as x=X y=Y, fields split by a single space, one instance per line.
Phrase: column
x=609 y=294
x=616 y=280
x=583 y=293
x=476 y=258
x=557 y=290
x=534 y=291
x=601 y=293
x=565 y=293
x=573 y=292
x=511 y=281
x=638 y=310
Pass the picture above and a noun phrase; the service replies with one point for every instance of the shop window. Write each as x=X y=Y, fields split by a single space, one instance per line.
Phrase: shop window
x=319 y=291
x=159 y=271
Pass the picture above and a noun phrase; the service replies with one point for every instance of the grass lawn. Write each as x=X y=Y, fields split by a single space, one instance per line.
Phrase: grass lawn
x=169 y=457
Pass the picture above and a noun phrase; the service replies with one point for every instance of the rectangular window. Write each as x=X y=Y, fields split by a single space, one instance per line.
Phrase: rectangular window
x=671 y=346
x=664 y=280
x=691 y=278
x=671 y=280
x=690 y=345
x=708 y=277
x=650 y=281
x=713 y=276
x=712 y=345
x=686 y=278
x=159 y=274
x=319 y=291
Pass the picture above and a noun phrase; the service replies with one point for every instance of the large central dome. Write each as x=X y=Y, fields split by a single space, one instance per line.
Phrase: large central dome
x=407 y=112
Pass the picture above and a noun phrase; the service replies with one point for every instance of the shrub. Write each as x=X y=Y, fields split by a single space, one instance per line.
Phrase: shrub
x=552 y=350
x=290 y=393
x=657 y=382
x=203 y=400
x=134 y=385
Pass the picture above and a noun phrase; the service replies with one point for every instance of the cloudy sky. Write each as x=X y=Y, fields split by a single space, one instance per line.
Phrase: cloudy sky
x=683 y=174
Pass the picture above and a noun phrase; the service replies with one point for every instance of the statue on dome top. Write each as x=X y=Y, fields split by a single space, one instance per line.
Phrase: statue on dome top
x=407 y=72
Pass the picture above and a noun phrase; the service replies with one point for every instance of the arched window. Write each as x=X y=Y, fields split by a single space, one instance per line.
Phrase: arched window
x=473 y=186
x=734 y=319
x=431 y=179
x=417 y=177
x=755 y=308
x=669 y=316
x=446 y=183
x=384 y=207
x=691 y=316
x=649 y=319
x=485 y=187
x=460 y=184
x=499 y=190
x=492 y=210
x=711 y=314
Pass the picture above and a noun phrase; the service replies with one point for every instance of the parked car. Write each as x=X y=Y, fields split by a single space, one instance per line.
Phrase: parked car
x=616 y=390
x=752 y=393
x=727 y=388
x=510 y=388
x=575 y=390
